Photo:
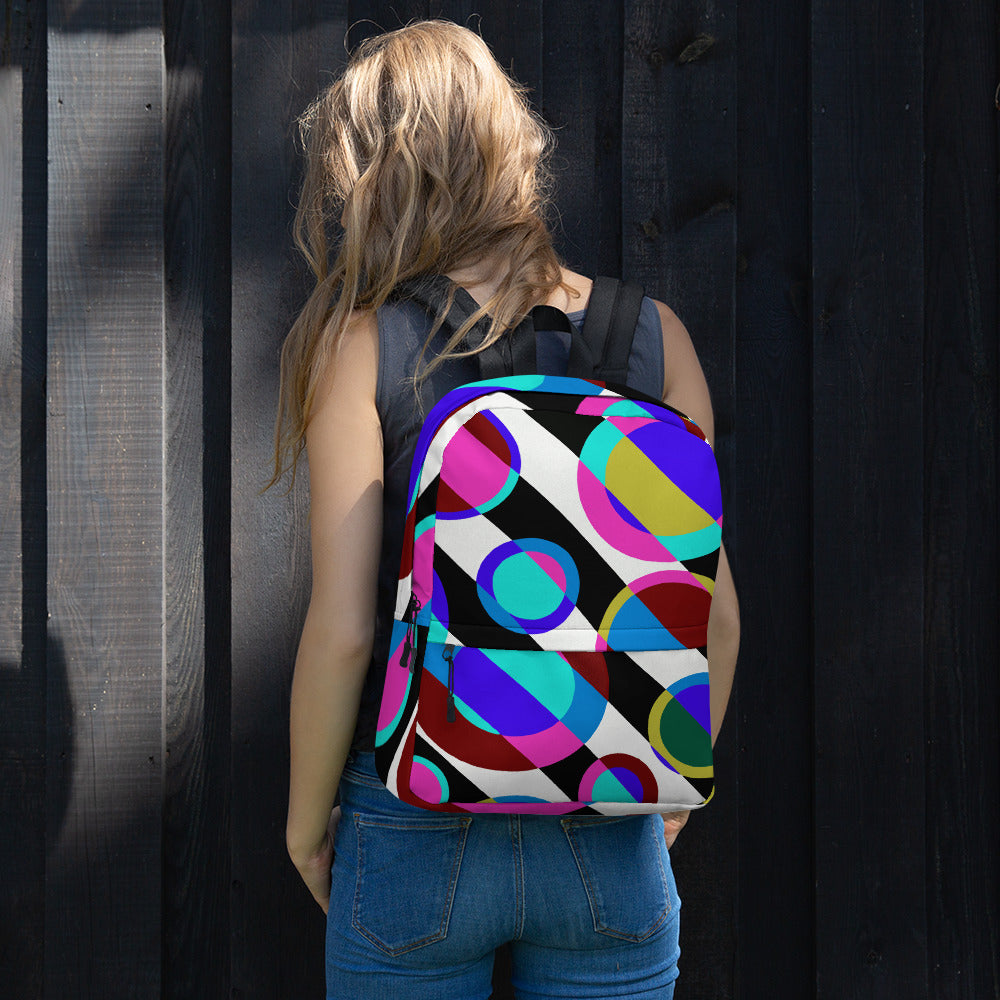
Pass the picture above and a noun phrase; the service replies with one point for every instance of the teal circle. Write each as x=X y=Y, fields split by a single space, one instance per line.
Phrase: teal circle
x=524 y=589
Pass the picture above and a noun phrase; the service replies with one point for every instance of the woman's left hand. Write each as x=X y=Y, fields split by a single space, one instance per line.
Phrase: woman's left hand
x=673 y=823
x=315 y=867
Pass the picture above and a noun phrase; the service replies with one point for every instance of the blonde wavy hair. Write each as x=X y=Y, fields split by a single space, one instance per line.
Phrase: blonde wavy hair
x=428 y=155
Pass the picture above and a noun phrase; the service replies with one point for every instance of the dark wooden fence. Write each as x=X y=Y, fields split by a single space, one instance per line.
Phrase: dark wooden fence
x=811 y=185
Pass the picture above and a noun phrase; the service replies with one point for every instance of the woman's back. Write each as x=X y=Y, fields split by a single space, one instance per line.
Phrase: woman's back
x=431 y=160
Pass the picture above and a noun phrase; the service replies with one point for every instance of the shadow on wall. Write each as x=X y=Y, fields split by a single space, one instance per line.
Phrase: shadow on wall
x=37 y=752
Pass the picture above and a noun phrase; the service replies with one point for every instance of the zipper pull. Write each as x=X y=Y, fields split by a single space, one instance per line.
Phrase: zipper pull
x=449 y=655
x=410 y=617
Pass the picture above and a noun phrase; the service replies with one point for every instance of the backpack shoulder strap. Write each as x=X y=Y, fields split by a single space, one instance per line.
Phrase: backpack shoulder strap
x=512 y=354
x=609 y=327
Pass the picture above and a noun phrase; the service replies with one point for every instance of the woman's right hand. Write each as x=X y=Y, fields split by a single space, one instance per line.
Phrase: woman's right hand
x=314 y=866
x=673 y=823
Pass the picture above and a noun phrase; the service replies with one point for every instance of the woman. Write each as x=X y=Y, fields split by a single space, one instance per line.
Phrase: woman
x=429 y=157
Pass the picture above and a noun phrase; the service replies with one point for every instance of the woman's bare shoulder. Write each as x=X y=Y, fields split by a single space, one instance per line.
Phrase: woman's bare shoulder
x=683 y=379
x=353 y=364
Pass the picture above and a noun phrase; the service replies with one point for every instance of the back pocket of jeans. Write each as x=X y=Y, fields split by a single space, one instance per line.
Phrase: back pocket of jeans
x=620 y=861
x=407 y=874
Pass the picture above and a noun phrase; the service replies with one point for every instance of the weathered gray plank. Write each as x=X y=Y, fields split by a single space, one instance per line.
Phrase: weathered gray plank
x=282 y=55
x=10 y=358
x=105 y=495
x=22 y=708
x=678 y=220
x=868 y=499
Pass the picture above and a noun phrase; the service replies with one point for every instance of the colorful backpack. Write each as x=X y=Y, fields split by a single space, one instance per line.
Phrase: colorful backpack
x=548 y=653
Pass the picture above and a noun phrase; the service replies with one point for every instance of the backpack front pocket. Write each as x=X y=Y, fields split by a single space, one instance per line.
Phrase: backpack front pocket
x=555 y=732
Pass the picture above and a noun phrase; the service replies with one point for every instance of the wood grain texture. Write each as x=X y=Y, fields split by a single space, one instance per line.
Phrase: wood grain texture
x=22 y=683
x=678 y=219
x=373 y=17
x=771 y=504
x=11 y=95
x=147 y=278
x=868 y=499
x=513 y=31
x=961 y=690
x=582 y=73
x=105 y=496
x=24 y=705
x=282 y=55
x=196 y=830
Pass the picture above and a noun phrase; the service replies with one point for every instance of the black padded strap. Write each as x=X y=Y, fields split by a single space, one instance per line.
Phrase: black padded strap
x=609 y=327
x=512 y=354
x=600 y=351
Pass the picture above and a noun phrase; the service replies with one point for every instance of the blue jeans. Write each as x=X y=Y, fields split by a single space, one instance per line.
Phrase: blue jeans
x=420 y=900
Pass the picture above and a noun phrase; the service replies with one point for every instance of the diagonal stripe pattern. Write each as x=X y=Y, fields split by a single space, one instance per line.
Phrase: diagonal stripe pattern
x=563 y=539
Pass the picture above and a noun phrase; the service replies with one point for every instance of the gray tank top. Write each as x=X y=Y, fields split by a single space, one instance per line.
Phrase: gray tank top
x=402 y=329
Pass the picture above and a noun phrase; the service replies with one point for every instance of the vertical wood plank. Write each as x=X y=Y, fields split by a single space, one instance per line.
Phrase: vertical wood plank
x=962 y=696
x=678 y=219
x=366 y=18
x=11 y=127
x=282 y=55
x=22 y=670
x=196 y=859
x=868 y=499
x=513 y=30
x=582 y=73
x=771 y=503
x=105 y=495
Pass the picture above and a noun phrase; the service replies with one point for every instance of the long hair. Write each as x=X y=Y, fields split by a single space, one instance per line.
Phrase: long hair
x=430 y=159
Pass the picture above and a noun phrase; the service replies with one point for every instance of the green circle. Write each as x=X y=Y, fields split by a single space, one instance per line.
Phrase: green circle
x=683 y=736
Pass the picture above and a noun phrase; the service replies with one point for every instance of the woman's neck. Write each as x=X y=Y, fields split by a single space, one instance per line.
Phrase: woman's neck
x=481 y=280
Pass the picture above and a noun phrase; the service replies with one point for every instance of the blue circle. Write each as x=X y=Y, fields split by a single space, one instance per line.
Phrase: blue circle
x=508 y=561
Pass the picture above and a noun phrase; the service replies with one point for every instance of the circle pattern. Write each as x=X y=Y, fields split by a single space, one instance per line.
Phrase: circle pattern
x=396 y=688
x=618 y=777
x=650 y=489
x=669 y=601
x=427 y=780
x=679 y=727
x=519 y=709
x=528 y=585
x=479 y=468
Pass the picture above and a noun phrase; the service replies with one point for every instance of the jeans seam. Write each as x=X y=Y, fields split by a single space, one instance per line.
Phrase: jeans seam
x=462 y=824
x=360 y=778
x=517 y=841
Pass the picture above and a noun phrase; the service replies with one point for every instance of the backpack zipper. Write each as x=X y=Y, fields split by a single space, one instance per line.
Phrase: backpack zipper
x=449 y=655
x=409 y=644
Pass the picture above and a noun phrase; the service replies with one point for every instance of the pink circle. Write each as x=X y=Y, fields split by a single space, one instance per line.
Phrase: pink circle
x=397 y=684
x=471 y=471
x=424 y=783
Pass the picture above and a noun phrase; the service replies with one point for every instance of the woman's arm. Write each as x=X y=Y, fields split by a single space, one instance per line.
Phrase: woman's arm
x=685 y=388
x=344 y=444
